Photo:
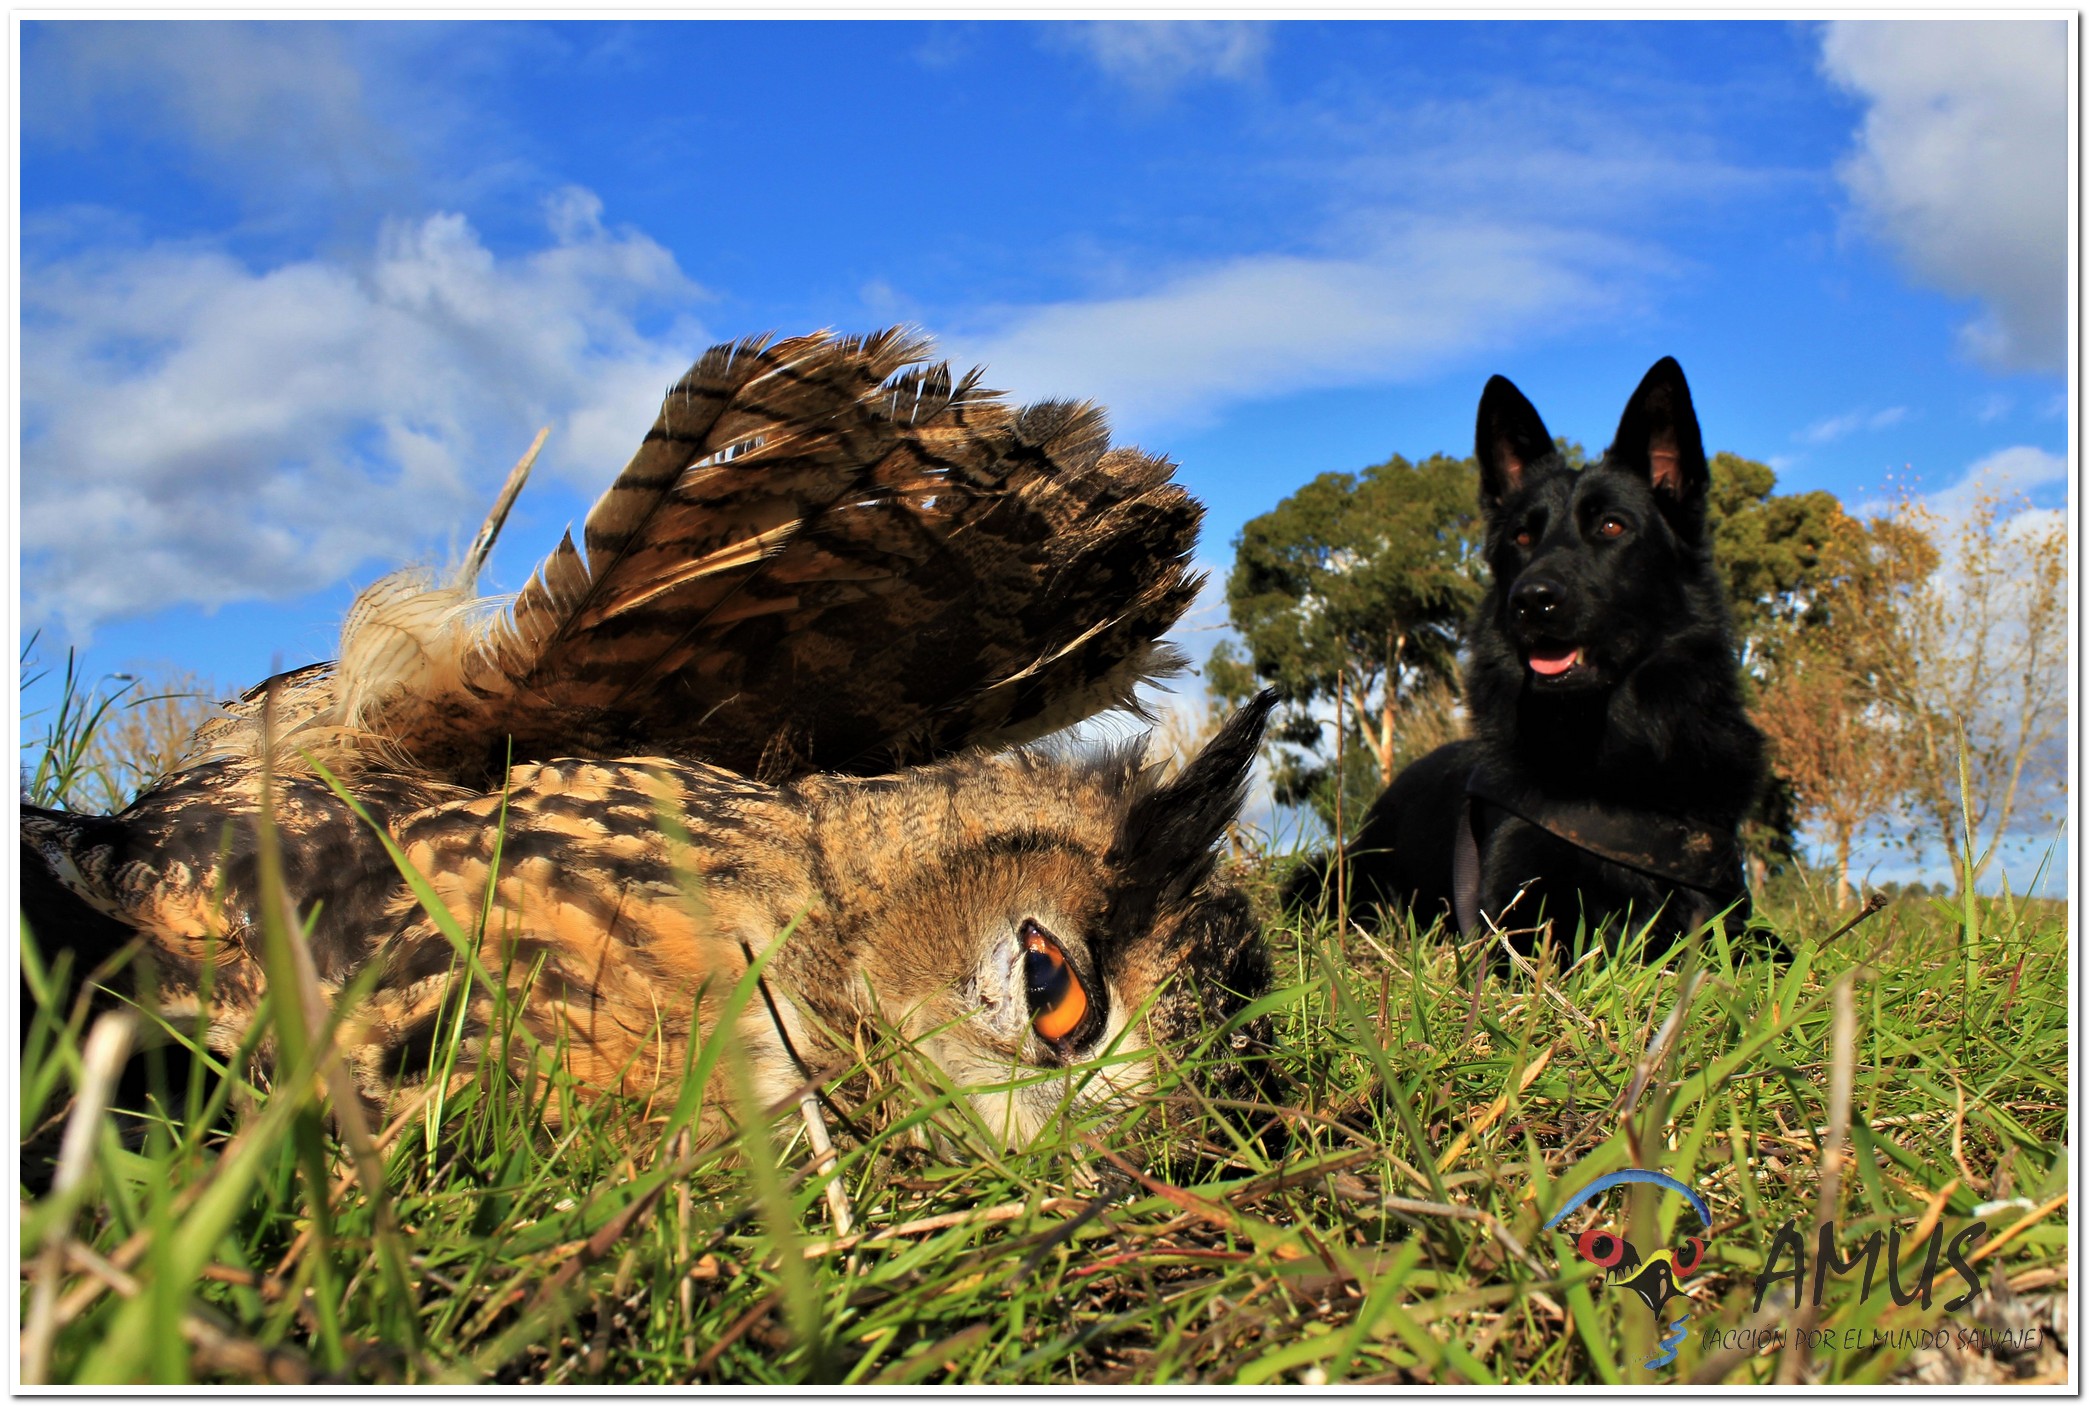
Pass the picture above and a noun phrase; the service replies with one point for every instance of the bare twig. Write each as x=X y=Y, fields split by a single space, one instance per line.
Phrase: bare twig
x=1872 y=904
x=826 y=1164
x=598 y=1244
x=2019 y=1228
x=1193 y=1204
x=739 y=1329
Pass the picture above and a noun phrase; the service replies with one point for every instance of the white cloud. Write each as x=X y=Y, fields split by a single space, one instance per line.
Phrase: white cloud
x=1837 y=426
x=2005 y=477
x=1961 y=164
x=276 y=107
x=1270 y=324
x=1157 y=56
x=198 y=432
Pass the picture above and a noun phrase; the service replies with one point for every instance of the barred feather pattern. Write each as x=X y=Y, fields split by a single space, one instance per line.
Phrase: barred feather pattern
x=827 y=555
x=897 y=903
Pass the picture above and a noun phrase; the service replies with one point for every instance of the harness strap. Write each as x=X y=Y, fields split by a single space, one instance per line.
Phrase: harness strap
x=1664 y=848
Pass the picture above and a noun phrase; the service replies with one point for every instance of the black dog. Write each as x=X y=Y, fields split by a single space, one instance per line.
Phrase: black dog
x=1611 y=761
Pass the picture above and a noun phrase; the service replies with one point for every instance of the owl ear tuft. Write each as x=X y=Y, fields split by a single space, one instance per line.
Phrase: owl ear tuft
x=1164 y=849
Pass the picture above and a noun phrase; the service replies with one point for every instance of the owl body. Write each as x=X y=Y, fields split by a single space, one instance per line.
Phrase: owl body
x=618 y=904
x=776 y=711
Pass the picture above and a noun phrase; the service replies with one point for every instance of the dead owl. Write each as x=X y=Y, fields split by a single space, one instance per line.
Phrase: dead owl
x=784 y=692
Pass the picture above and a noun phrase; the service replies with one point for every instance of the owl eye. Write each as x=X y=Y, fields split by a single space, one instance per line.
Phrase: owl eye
x=1057 y=1002
x=1600 y=1247
x=1689 y=1255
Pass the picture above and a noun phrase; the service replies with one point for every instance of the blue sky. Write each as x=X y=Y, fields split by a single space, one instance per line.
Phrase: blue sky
x=294 y=295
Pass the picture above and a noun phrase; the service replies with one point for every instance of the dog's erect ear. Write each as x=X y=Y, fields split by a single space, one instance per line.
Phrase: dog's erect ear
x=1164 y=848
x=1658 y=439
x=1510 y=438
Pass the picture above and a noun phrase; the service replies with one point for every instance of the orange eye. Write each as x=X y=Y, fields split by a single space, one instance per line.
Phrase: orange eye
x=1523 y=538
x=1057 y=1002
x=1611 y=527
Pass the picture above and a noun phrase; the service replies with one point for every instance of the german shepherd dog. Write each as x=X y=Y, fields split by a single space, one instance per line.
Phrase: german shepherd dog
x=1611 y=761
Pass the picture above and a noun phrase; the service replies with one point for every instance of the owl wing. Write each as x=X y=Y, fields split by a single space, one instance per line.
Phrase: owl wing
x=827 y=555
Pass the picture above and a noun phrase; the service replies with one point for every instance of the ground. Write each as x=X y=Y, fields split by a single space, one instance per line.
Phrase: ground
x=1384 y=1225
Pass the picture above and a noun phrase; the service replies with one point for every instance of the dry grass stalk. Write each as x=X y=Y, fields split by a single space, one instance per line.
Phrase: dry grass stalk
x=108 y=1045
x=1842 y=1066
x=146 y=735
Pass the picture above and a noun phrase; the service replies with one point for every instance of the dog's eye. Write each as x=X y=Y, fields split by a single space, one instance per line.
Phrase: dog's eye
x=1611 y=527
x=1057 y=1002
x=1522 y=537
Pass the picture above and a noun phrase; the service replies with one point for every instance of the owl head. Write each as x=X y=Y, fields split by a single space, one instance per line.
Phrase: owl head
x=1052 y=932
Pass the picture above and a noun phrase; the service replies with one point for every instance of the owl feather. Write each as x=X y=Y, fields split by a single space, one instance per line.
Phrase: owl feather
x=780 y=686
x=827 y=555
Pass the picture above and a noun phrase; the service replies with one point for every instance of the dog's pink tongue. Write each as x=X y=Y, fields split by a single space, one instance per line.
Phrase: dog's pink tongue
x=1551 y=664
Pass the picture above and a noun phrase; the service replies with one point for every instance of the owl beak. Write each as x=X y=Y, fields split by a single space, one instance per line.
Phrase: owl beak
x=1655 y=1281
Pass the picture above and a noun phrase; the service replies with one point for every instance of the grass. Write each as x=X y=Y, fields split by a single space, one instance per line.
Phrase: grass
x=191 y=1221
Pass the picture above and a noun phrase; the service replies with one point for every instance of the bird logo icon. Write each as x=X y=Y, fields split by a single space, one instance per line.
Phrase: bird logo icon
x=1655 y=1277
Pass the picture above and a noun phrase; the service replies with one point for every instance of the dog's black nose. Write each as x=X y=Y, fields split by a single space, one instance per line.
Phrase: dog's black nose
x=1535 y=601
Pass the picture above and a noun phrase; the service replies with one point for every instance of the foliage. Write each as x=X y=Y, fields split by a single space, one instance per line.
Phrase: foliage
x=1778 y=551
x=146 y=737
x=1840 y=751
x=1435 y=1118
x=1929 y=682
x=1351 y=594
x=1841 y=754
x=100 y=747
x=1782 y=555
x=1973 y=662
x=60 y=762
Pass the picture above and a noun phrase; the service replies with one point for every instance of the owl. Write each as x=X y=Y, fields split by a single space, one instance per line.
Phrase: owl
x=778 y=710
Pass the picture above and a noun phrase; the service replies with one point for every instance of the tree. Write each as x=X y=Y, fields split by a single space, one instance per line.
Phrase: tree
x=1778 y=551
x=1973 y=661
x=1838 y=749
x=1787 y=557
x=1353 y=593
